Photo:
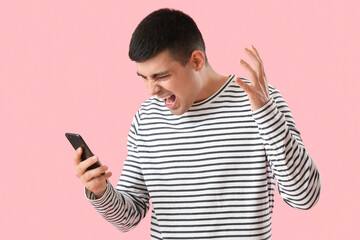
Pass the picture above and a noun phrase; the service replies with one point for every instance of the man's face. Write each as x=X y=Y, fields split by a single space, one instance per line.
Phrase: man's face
x=178 y=86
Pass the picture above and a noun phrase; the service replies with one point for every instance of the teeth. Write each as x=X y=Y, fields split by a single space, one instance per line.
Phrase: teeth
x=167 y=97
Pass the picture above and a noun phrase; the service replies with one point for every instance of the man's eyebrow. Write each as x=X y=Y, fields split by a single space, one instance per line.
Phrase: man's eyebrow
x=139 y=74
x=155 y=75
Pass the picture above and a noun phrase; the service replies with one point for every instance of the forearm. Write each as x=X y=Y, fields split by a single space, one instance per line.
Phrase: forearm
x=296 y=173
x=118 y=208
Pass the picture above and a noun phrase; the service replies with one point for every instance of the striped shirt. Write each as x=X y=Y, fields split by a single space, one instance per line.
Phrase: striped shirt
x=210 y=172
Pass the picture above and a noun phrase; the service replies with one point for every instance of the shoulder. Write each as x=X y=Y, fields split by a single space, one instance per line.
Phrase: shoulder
x=152 y=105
x=150 y=109
x=272 y=88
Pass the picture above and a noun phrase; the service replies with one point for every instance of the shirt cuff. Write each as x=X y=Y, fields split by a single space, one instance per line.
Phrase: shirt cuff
x=267 y=118
x=92 y=198
x=258 y=113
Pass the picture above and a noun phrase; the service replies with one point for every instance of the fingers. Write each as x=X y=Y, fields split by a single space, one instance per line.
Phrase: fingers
x=77 y=156
x=93 y=179
x=256 y=53
x=98 y=185
x=258 y=76
x=93 y=173
x=262 y=64
x=256 y=61
x=99 y=182
x=242 y=84
x=251 y=72
x=82 y=167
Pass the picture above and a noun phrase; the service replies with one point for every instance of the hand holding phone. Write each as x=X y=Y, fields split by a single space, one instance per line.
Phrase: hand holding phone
x=77 y=141
x=87 y=166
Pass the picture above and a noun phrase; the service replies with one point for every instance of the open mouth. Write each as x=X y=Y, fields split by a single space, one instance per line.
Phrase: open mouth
x=170 y=101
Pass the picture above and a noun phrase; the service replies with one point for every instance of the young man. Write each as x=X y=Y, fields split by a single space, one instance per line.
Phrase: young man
x=205 y=148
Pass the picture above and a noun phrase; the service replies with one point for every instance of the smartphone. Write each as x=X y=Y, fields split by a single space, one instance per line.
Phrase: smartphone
x=77 y=141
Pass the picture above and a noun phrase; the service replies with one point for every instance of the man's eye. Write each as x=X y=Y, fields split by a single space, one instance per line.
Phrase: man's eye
x=163 y=77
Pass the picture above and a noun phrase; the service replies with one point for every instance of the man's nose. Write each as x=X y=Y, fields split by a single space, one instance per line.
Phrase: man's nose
x=153 y=87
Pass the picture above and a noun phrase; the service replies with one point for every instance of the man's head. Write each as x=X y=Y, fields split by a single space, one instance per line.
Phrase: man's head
x=166 y=29
x=169 y=52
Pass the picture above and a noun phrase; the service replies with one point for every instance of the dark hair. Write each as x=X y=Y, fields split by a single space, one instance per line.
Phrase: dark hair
x=166 y=29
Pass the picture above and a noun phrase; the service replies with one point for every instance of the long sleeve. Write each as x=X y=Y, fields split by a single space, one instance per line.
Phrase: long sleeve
x=127 y=204
x=297 y=176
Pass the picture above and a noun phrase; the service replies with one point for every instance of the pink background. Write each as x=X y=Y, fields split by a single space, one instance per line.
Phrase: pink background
x=64 y=68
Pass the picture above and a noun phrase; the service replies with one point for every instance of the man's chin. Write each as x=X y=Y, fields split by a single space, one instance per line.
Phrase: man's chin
x=178 y=111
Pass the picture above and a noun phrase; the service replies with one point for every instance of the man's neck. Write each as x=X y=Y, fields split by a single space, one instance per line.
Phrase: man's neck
x=211 y=82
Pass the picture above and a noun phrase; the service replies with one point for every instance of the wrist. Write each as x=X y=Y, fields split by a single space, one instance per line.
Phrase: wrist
x=99 y=194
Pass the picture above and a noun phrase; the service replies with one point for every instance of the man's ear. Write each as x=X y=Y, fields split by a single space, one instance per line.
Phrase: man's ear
x=197 y=60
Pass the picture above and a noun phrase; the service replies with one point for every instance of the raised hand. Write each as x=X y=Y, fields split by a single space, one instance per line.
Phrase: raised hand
x=257 y=91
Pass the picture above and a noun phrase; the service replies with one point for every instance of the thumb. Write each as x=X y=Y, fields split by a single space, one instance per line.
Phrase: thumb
x=242 y=84
x=77 y=155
